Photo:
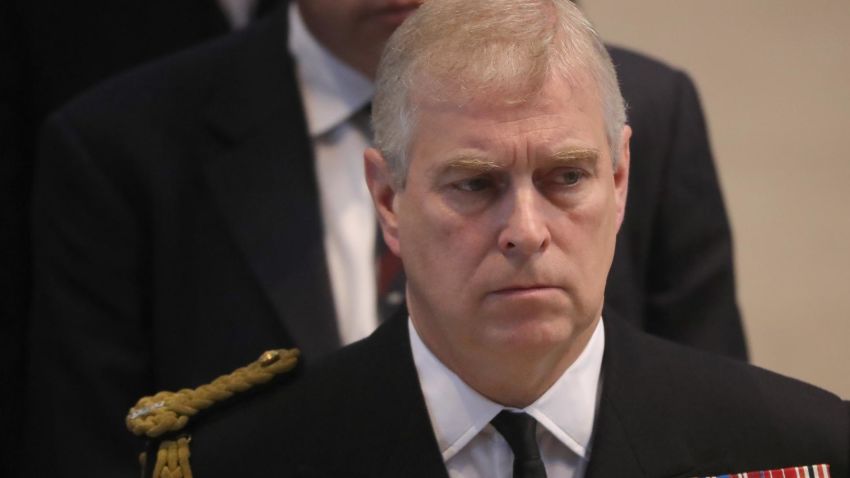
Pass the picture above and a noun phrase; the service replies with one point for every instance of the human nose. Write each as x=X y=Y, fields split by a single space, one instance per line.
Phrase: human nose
x=524 y=231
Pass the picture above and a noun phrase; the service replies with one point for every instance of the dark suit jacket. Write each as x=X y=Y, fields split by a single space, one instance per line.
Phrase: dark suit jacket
x=665 y=411
x=177 y=232
x=49 y=52
x=672 y=273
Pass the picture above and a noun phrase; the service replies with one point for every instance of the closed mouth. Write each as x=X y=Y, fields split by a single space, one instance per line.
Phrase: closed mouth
x=525 y=289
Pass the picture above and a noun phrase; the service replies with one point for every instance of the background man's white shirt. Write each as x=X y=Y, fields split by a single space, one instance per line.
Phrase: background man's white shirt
x=334 y=96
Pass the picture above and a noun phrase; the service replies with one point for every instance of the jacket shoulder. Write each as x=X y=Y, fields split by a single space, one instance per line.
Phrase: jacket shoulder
x=632 y=62
x=164 y=418
x=651 y=88
x=340 y=409
x=717 y=381
x=179 y=84
x=720 y=414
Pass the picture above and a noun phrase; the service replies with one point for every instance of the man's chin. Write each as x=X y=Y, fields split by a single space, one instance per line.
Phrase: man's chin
x=532 y=329
x=529 y=304
x=536 y=318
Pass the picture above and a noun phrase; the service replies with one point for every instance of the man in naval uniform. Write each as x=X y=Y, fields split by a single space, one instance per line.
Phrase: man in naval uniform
x=500 y=178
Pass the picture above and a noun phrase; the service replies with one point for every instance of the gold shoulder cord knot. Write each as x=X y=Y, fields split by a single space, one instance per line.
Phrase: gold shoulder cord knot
x=168 y=412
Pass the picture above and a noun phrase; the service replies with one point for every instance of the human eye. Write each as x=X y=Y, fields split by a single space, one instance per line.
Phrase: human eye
x=566 y=177
x=472 y=192
x=474 y=184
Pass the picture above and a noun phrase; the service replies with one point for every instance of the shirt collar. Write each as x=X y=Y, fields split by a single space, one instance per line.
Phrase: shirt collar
x=331 y=90
x=458 y=413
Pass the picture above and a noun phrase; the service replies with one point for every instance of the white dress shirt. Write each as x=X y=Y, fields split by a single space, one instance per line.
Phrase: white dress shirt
x=472 y=448
x=333 y=94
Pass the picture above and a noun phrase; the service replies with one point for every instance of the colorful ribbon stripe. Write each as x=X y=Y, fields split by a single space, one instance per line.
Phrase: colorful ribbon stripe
x=811 y=471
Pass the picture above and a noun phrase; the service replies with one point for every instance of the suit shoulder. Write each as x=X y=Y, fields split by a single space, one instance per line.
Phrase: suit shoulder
x=177 y=85
x=165 y=417
x=687 y=360
x=631 y=63
x=651 y=88
x=741 y=416
x=336 y=411
x=723 y=388
x=313 y=386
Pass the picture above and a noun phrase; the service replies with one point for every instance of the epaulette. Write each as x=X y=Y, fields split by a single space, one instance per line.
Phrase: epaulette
x=169 y=412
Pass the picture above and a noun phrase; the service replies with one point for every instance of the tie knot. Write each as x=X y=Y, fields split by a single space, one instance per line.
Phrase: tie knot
x=520 y=431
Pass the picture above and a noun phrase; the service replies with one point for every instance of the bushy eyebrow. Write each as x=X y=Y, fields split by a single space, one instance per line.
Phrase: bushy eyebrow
x=472 y=163
x=570 y=157
x=482 y=165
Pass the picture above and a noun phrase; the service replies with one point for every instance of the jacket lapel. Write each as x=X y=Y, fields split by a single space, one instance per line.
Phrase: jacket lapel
x=408 y=445
x=261 y=174
x=636 y=433
x=414 y=452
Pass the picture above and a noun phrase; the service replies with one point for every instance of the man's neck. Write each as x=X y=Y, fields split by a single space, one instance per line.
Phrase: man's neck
x=515 y=378
x=458 y=412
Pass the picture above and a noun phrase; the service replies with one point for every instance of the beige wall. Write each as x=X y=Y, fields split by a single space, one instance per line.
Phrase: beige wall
x=774 y=76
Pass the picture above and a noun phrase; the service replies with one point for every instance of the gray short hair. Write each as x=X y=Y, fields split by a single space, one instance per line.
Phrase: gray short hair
x=505 y=49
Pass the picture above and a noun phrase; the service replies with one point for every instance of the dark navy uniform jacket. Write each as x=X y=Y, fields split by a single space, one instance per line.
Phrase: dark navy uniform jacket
x=665 y=411
x=177 y=233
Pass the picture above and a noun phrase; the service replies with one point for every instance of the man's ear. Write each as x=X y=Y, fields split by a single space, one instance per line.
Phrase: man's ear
x=379 y=180
x=621 y=174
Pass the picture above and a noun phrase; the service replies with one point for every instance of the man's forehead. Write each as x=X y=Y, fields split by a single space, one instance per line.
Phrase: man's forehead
x=555 y=111
x=434 y=90
x=561 y=124
x=553 y=123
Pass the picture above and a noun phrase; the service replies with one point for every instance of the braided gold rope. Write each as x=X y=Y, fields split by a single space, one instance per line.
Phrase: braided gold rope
x=170 y=411
x=172 y=459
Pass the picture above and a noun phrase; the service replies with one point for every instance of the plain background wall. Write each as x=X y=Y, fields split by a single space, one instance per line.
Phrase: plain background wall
x=774 y=76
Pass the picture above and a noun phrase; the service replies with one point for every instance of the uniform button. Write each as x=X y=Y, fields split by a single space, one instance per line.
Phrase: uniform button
x=269 y=358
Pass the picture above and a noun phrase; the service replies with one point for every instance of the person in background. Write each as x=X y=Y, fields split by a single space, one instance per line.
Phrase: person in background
x=50 y=52
x=211 y=204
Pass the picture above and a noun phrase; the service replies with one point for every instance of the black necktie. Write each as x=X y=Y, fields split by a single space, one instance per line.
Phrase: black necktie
x=520 y=431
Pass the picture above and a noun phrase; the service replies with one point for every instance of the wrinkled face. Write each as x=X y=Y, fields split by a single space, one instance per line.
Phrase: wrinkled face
x=356 y=30
x=507 y=222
